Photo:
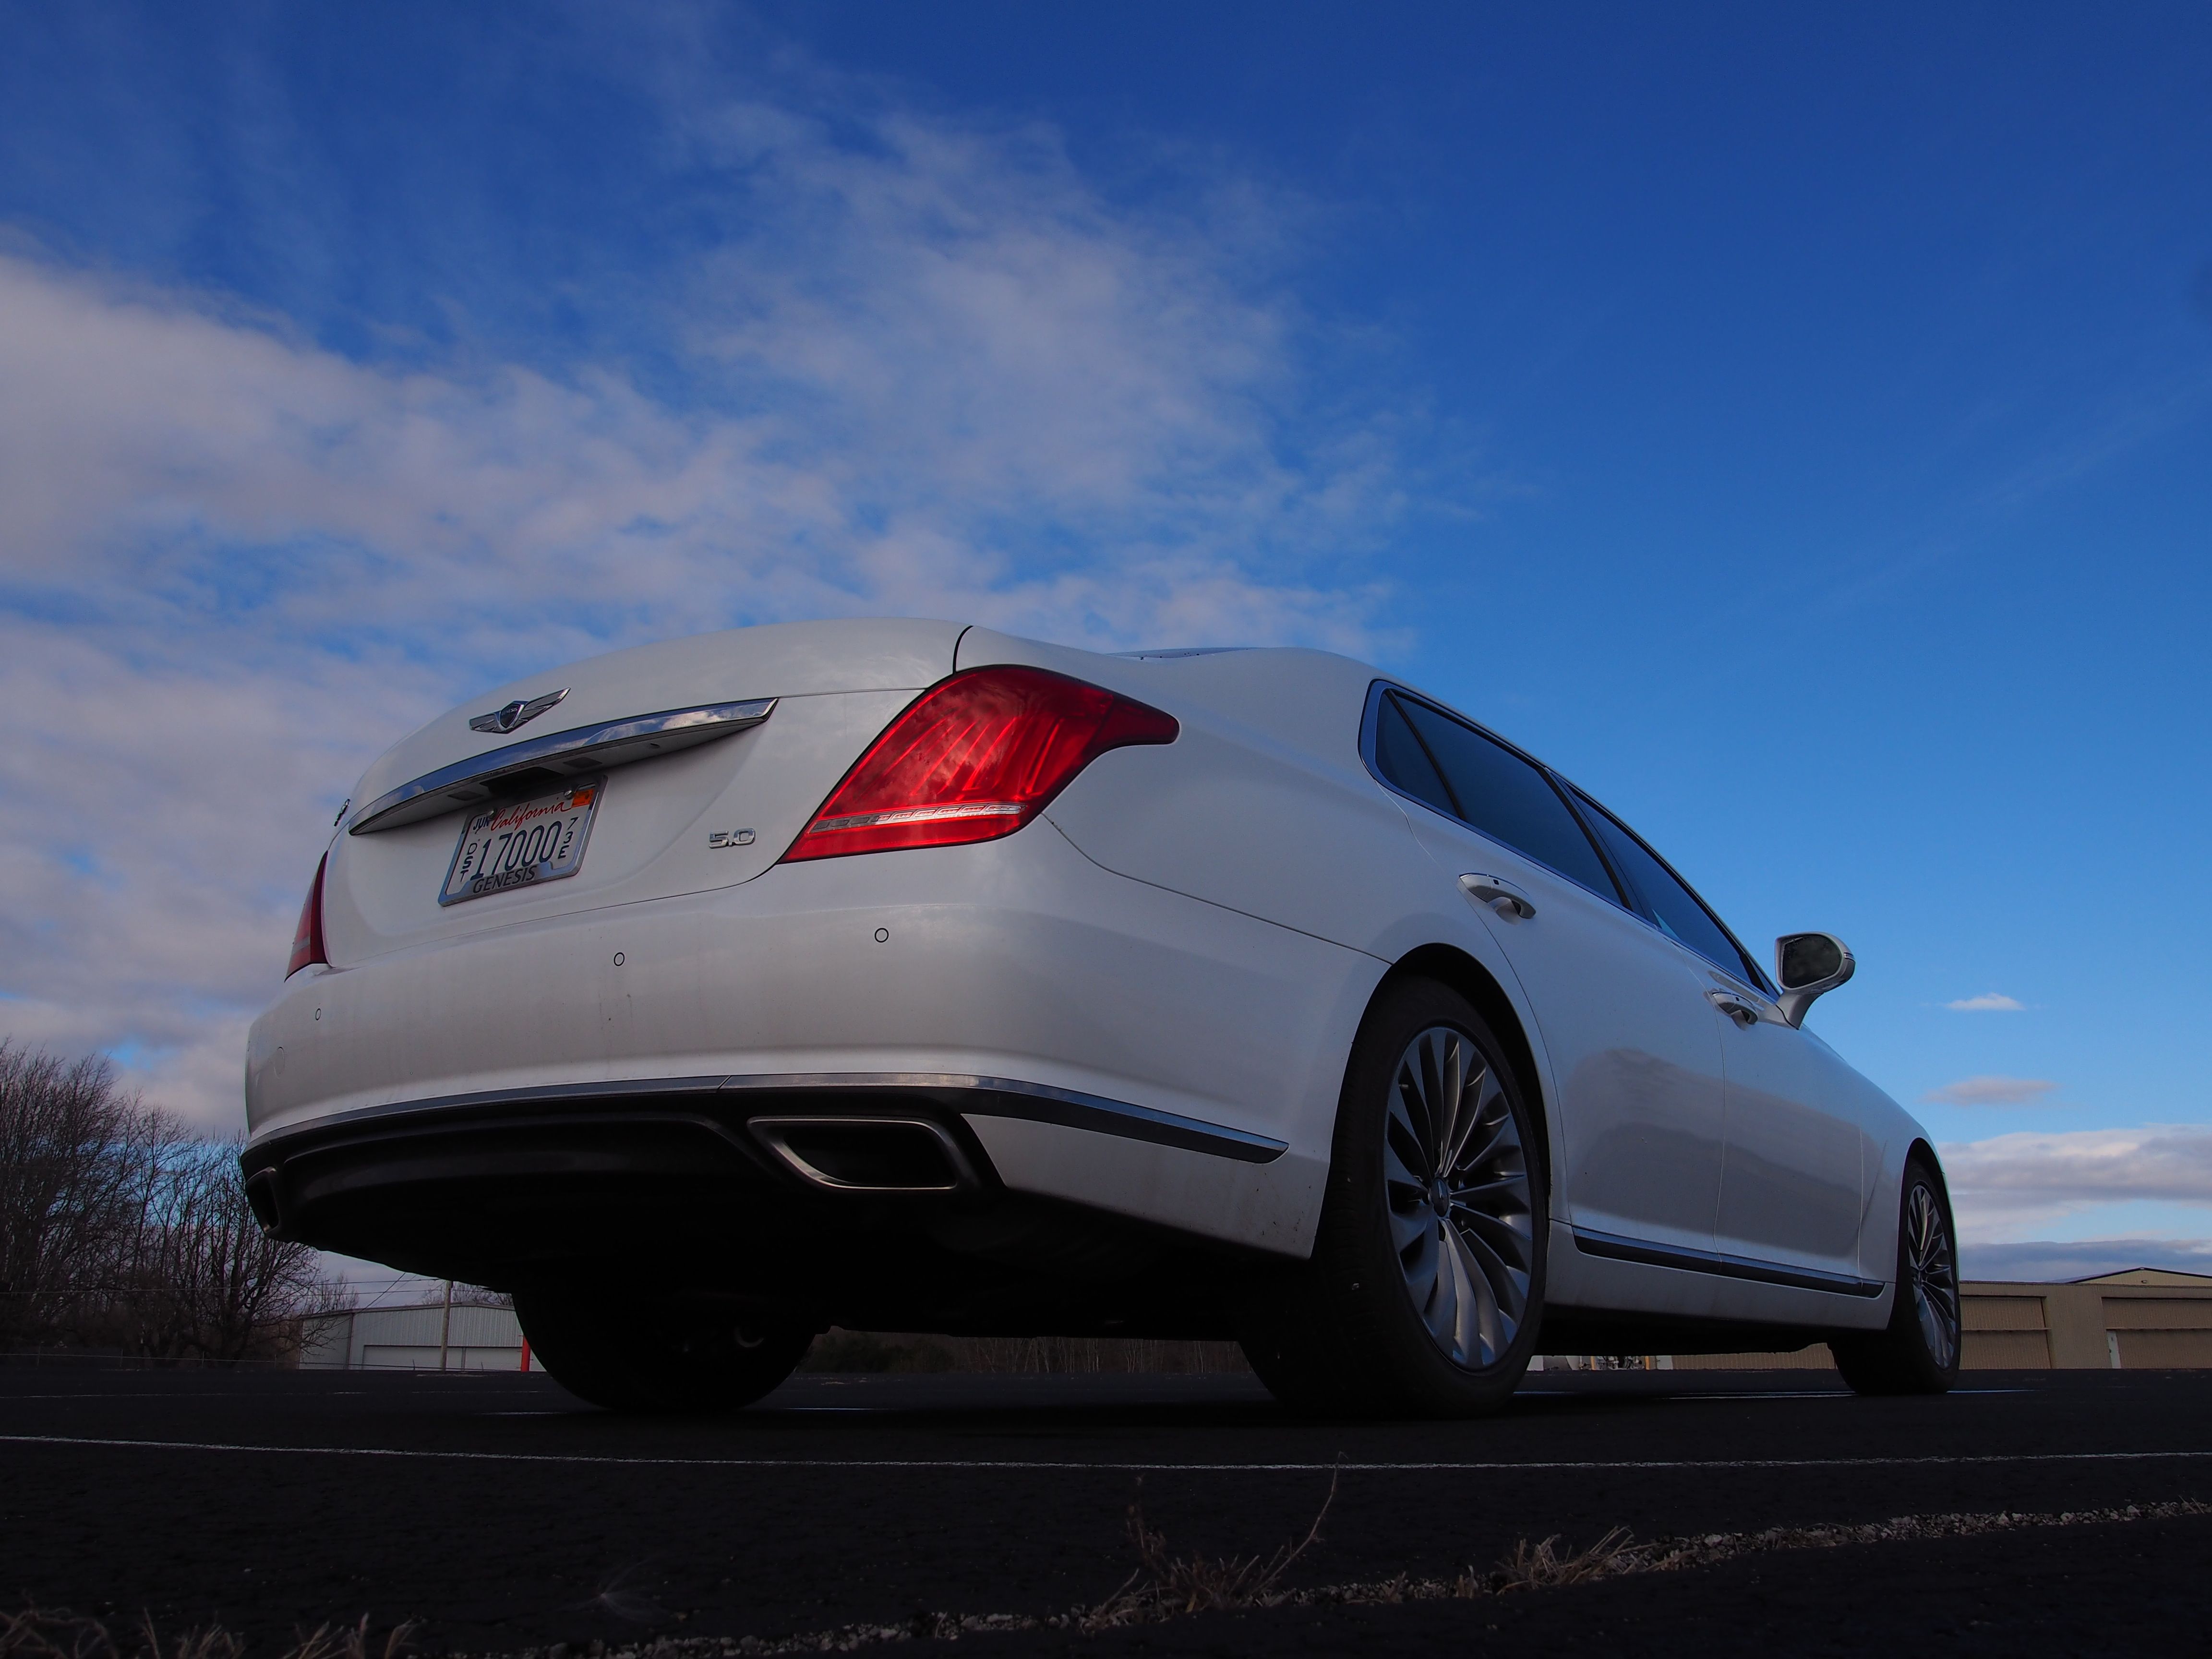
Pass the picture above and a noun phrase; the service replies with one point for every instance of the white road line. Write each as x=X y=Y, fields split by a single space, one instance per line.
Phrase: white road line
x=1071 y=1466
x=140 y=1394
x=1792 y=1394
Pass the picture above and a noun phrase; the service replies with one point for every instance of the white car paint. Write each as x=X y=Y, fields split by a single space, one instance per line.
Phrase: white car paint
x=1189 y=934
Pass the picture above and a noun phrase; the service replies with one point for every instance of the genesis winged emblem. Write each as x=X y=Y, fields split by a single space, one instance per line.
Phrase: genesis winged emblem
x=517 y=713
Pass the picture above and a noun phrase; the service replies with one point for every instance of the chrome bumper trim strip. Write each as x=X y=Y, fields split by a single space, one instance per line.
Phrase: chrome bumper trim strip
x=1039 y=1102
x=1002 y=1097
x=553 y=1095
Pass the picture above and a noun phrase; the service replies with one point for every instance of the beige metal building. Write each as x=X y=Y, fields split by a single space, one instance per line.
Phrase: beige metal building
x=2139 y=1318
x=2143 y=1317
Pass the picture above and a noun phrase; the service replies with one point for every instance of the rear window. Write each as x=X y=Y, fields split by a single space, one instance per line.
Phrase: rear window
x=1488 y=785
x=1402 y=761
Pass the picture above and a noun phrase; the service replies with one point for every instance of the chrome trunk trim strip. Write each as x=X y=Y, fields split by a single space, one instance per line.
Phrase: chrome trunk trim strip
x=557 y=755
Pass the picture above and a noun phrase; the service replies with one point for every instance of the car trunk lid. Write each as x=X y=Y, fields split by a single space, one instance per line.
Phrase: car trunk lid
x=636 y=758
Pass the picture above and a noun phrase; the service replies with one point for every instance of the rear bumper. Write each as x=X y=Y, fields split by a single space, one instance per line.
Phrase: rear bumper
x=696 y=1192
x=1080 y=1036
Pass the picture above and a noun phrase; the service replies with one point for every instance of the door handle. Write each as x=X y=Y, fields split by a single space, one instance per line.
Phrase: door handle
x=1507 y=901
x=1734 y=1007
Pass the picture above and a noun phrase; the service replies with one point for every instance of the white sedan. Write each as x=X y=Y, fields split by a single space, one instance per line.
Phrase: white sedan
x=903 y=976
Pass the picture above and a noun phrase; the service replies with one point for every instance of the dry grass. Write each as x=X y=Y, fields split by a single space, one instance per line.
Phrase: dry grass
x=1163 y=1586
x=1530 y=1567
x=1166 y=1586
x=1542 y=1567
x=58 y=1633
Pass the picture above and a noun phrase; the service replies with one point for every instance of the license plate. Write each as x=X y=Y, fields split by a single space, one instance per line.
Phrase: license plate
x=524 y=843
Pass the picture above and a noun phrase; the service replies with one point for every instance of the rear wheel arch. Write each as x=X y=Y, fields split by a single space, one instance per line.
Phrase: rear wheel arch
x=1451 y=967
x=1423 y=1294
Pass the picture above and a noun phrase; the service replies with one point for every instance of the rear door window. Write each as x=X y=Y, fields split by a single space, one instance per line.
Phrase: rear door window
x=1679 y=912
x=1501 y=794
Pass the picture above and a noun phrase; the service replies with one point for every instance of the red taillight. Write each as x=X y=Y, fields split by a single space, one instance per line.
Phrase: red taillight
x=307 y=938
x=974 y=759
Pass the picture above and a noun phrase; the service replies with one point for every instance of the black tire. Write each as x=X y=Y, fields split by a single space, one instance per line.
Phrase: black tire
x=629 y=1355
x=1423 y=1297
x=1918 y=1350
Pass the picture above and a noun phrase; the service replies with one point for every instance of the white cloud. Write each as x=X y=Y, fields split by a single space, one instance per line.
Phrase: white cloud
x=1989 y=1002
x=2013 y=1186
x=2047 y=1259
x=1992 y=1091
x=940 y=376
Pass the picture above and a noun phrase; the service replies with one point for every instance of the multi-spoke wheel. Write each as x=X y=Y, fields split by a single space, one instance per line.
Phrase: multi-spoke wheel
x=1935 y=1280
x=1918 y=1350
x=1427 y=1282
x=1455 y=1177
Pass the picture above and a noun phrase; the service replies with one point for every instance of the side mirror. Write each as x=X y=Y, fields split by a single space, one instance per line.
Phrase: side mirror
x=1807 y=966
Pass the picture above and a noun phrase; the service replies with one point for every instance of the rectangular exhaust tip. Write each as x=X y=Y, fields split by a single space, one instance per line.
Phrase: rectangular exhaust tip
x=262 y=1194
x=868 y=1154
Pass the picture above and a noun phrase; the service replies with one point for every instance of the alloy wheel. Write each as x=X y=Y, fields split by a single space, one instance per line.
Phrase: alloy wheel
x=1455 y=1176
x=1934 y=1278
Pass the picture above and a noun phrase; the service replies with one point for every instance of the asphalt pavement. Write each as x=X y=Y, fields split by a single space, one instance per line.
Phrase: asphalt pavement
x=503 y=1515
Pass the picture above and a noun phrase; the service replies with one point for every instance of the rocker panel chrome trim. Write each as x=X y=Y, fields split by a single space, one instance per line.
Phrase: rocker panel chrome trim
x=1727 y=1266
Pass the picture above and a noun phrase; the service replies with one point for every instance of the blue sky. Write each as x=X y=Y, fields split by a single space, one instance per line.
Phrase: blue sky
x=1795 y=424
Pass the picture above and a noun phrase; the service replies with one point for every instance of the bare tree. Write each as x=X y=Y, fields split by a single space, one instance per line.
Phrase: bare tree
x=120 y=1227
x=213 y=1286
x=69 y=1140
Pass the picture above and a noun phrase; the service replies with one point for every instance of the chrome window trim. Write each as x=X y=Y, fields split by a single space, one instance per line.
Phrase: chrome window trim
x=1371 y=718
x=1627 y=898
x=580 y=749
x=1578 y=797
